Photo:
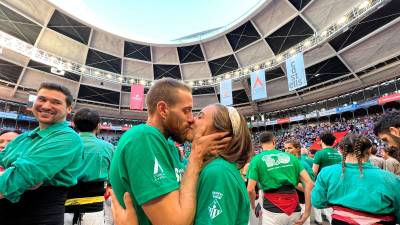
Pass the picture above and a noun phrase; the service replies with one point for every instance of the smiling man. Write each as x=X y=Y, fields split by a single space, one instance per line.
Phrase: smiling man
x=41 y=164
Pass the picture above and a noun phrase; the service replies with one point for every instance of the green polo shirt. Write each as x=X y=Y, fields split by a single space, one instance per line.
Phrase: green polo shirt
x=51 y=156
x=307 y=167
x=146 y=165
x=327 y=157
x=307 y=160
x=222 y=196
x=274 y=169
x=376 y=192
x=97 y=155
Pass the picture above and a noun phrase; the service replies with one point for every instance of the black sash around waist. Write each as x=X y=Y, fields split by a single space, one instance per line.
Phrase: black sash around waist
x=83 y=190
x=44 y=206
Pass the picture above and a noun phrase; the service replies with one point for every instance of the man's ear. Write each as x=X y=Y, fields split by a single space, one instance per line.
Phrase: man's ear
x=69 y=109
x=162 y=109
x=394 y=131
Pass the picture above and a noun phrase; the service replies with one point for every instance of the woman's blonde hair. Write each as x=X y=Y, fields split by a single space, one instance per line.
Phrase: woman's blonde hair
x=240 y=148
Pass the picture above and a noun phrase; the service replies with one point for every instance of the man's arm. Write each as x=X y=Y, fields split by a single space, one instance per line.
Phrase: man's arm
x=315 y=168
x=251 y=189
x=179 y=207
x=39 y=165
x=123 y=216
x=308 y=186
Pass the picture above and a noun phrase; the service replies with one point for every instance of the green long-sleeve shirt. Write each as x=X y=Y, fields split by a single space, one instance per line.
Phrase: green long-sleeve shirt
x=97 y=156
x=375 y=192
x=51 y=156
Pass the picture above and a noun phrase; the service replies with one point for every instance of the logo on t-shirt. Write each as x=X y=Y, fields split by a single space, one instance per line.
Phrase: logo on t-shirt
x=273 y=160
x=214 y=208
x=158 y=171
x=179 y=174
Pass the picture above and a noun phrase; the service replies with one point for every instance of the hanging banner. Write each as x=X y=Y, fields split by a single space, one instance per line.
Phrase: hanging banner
x=389 y=98
x=137 y=97
x=297 y=118
x=368 y=103
x=347 y=108
x=312 y=115
x=225 y=90
x=327 y=112
x=284 y=120
x=295 y=71
x=26 y=118
x=258 y=86
x=271 y=122
x=104 y=127
x=8 y=115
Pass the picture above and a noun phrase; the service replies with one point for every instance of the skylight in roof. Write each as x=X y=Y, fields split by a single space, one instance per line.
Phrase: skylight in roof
x=160 y=21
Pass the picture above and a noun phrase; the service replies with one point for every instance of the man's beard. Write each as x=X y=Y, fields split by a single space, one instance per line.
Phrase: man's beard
x=173 y=132
x=177 y=137
x=396 y=154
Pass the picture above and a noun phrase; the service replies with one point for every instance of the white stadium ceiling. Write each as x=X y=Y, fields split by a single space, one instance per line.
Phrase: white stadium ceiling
x=270 y=32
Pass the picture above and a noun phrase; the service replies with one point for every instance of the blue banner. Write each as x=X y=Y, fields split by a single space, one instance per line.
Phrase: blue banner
x=225 y=92
x=295 y=72
x=258 y=86
x=368 y=103
x=327 y=112
x=347 y=108
x=297 y=118
x=26 y=118
x=8 y=115
x=312 y=115
x=271 y=122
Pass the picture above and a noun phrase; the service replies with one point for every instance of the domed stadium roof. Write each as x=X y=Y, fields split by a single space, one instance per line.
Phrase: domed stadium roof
x=339 y=57
x=162 y=22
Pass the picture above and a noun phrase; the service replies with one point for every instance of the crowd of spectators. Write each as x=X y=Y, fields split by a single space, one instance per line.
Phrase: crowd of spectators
x=307 y=133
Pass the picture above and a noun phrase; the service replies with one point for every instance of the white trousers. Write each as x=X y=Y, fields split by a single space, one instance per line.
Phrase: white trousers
x=270 y=218
x=327 y=212
x=303 y=207
x=95 y=218
x=108 y=219
x=253 y=220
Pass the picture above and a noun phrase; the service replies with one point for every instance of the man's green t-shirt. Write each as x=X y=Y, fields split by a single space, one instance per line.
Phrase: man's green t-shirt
x=274 y=169
x=146 y=165
x=327 y=157
x=221 y=195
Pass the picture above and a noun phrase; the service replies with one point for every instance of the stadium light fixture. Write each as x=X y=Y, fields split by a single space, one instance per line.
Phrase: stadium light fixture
x=57 y=71
x=364 y=4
